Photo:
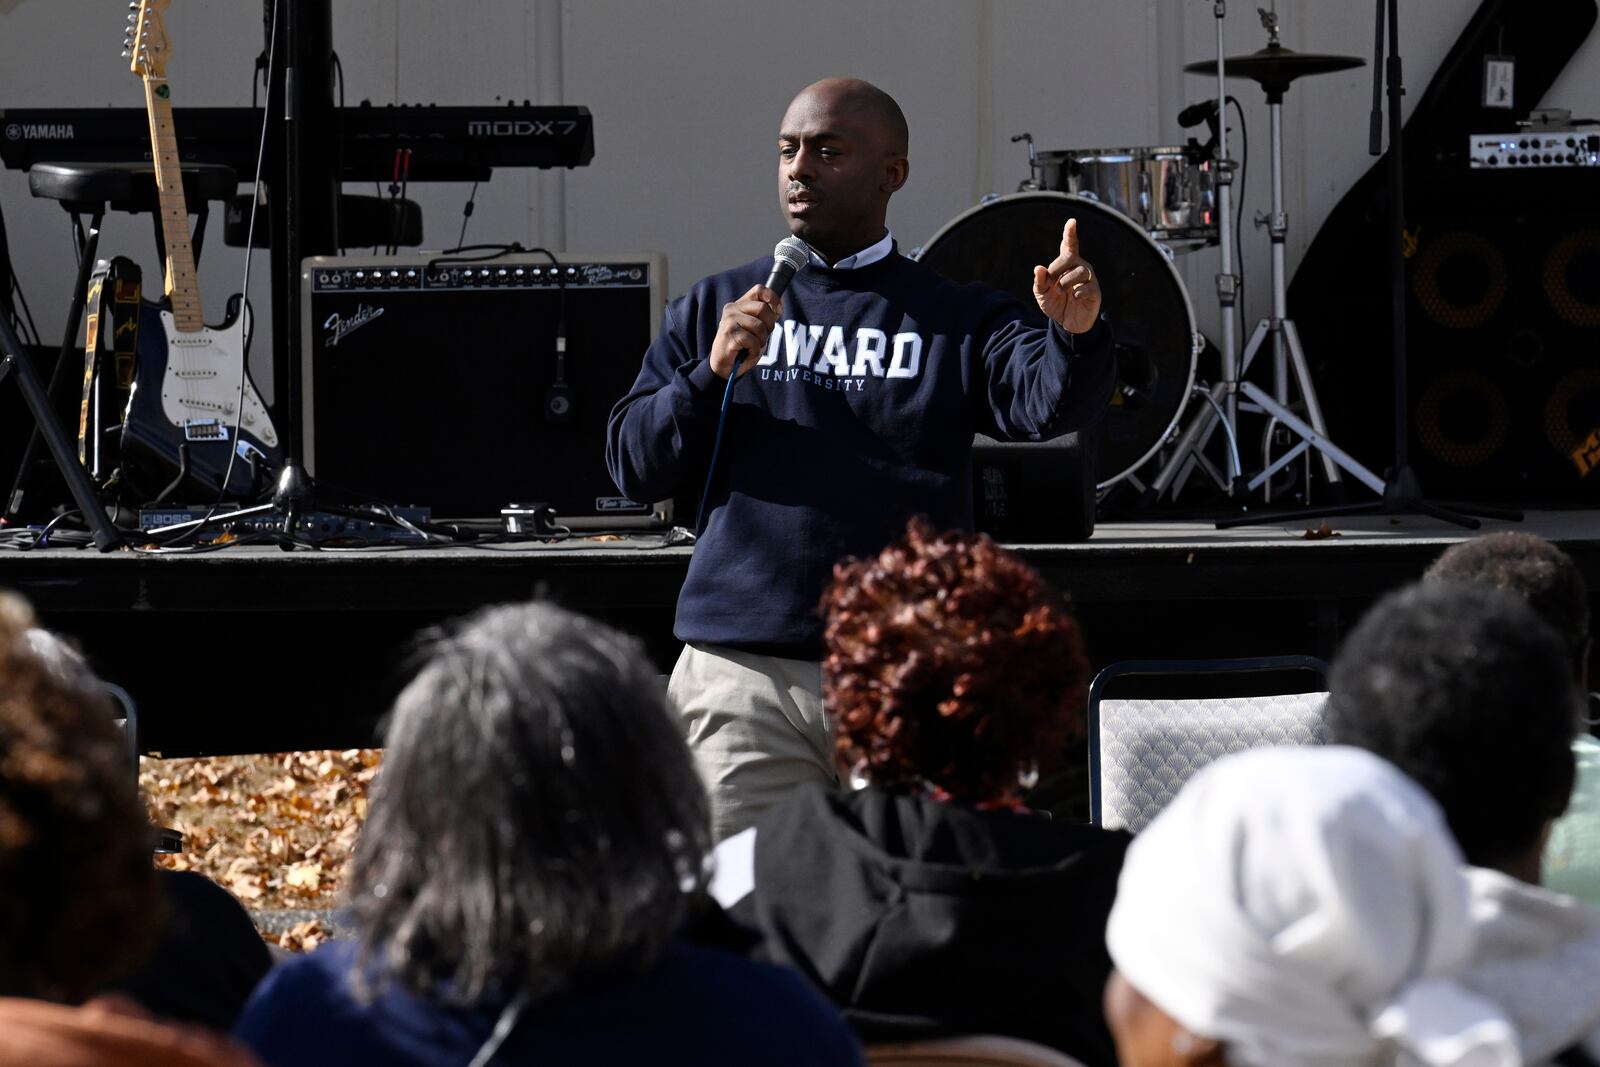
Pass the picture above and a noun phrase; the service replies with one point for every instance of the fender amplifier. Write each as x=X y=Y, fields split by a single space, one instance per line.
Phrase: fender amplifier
x=463 y=385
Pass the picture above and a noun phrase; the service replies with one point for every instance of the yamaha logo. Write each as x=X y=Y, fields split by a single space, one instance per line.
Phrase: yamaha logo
x=50 y=131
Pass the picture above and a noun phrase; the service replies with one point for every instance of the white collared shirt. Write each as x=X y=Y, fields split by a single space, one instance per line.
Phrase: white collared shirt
x=870 y=254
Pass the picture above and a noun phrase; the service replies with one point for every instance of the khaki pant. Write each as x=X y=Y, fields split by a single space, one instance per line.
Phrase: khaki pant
x=755 y=726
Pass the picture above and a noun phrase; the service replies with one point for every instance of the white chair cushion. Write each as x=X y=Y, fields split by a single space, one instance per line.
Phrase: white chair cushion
x=1149 y=748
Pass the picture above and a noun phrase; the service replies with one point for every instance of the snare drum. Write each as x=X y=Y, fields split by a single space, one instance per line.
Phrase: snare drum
x=1152 y=322
x=1170 y=191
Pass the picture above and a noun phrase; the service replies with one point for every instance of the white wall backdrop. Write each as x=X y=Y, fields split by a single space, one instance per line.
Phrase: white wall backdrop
x=687 y=96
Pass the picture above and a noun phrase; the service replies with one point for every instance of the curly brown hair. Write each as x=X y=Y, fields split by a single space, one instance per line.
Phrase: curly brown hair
x=949 y=662
x=78 y=894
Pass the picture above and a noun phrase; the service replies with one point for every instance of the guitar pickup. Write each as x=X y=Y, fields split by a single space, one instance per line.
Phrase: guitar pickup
x=205 y=430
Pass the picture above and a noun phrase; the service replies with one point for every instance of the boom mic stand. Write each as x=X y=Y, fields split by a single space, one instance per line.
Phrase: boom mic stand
x=1401 y=491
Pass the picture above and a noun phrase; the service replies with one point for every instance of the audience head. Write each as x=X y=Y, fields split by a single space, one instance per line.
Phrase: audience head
x=78 y=895
x=1534 y=569
x=537 y=820
x=948 y=662
x=1296 y=907
x=1465 y=689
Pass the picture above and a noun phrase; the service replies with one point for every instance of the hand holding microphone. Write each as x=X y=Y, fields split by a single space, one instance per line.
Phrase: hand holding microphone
x=748 y=321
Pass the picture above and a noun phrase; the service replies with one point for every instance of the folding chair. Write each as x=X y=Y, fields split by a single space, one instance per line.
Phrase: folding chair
x=69 y=665
x=168 y=840
x=1183 y=714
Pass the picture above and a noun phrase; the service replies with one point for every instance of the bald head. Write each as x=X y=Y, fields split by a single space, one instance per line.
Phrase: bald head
x=842 y=155
x=865 y=101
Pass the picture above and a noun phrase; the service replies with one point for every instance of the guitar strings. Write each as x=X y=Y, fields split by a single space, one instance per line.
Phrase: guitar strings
x=244 y=297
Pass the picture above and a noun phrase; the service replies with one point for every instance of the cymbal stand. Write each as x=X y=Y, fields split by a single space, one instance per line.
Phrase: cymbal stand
x=1286 y=349
x=1285 y=339
x=1399 y=492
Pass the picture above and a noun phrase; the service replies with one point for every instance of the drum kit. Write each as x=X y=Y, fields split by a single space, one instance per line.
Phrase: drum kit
x=1137 y=208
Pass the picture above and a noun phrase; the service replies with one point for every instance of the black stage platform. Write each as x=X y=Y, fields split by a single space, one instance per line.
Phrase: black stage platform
x=257 y=649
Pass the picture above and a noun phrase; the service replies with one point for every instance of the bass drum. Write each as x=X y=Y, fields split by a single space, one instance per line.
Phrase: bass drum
x=1152 y=321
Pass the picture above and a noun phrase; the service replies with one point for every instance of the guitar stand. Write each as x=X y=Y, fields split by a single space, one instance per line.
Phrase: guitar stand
x=92 y=190
x=15 y=359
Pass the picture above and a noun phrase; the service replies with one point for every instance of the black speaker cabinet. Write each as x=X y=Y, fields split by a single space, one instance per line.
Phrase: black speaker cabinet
x=1038 y=492
x=1503 y=324
x=443 y=382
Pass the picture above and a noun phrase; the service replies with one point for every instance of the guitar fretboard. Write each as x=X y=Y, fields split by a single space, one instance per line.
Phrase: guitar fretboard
x=182 y=289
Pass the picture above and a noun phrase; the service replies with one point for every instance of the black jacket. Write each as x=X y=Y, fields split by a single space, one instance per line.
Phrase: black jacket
x=922 y=919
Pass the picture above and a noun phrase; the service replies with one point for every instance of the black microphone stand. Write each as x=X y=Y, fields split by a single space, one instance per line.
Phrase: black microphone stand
x=1402 y=492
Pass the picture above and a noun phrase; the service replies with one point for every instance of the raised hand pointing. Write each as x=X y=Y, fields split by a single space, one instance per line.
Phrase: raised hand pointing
x=1068 y=290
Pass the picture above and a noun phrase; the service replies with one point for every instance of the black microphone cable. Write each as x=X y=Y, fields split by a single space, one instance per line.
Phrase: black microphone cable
x=790 y=255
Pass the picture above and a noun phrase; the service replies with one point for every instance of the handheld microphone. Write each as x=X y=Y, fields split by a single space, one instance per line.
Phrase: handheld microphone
x=787 y=260
x=1195 y=114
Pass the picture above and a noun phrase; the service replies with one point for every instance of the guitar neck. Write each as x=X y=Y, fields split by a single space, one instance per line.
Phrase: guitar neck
x=183 y=291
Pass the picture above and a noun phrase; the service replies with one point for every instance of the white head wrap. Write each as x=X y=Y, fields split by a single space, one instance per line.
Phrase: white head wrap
x=1307 y=908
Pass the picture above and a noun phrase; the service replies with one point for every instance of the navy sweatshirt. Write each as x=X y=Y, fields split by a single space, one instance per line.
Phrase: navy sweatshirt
x=858 y=415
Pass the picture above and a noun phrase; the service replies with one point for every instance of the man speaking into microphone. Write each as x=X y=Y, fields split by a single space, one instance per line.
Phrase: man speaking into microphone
x=819 y=421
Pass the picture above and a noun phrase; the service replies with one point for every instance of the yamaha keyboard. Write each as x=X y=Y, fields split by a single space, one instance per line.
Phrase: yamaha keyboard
x=445 y=143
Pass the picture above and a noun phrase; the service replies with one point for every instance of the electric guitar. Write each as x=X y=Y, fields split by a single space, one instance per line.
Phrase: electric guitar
x=193 y=405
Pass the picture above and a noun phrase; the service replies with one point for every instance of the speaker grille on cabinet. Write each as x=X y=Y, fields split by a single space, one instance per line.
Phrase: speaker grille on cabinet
x=438 y=382
x=1504 y=356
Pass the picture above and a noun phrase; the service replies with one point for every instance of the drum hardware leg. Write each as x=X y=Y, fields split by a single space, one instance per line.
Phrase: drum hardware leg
x=1264 y=479
x=1285 y=340
x=1268 y=432
x=1288 y=357
x=1189 y=450
x=1186 y=450
x=1197 y=461
x=1196 y=436
x=1229 y=429
x=1222 y=398
x=1312 y=437
x=1274 y=435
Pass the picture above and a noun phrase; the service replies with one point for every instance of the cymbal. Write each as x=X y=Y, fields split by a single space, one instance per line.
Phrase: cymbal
x=1275 y=66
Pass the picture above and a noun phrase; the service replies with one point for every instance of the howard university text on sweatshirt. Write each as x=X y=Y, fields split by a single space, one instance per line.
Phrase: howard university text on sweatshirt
x=858 y=414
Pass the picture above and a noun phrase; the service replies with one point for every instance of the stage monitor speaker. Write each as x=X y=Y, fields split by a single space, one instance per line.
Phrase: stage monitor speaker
x=1503 y=329
x=439 y=381
x=1037 y=492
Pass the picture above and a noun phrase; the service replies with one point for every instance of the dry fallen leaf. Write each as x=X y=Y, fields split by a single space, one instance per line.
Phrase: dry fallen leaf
x=301 y=937
x=275 y=830
x=307 y=876
x=1322 y=532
